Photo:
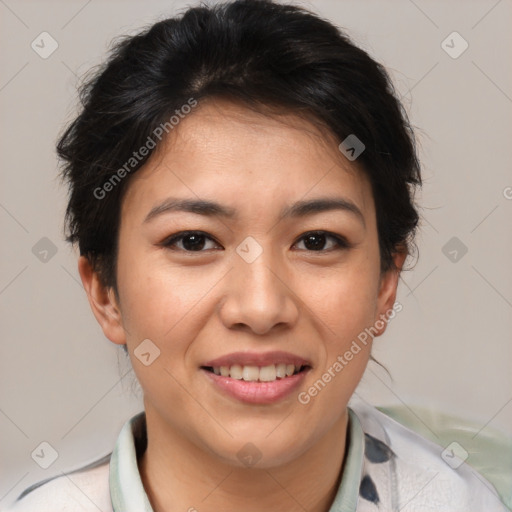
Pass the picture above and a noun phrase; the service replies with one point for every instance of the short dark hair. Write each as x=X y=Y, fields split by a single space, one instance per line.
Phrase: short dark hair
x=257 y=52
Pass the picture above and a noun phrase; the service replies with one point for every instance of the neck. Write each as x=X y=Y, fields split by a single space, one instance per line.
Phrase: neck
x=178 y=475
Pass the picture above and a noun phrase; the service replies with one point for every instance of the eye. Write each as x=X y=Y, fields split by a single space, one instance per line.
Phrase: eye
x=192 y=241
x=315 y=241
x=197 y=241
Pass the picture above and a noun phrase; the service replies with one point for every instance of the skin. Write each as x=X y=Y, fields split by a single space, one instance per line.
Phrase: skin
x=197 y=306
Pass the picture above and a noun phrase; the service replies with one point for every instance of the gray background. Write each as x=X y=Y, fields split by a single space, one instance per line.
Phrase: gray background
x=449 y=349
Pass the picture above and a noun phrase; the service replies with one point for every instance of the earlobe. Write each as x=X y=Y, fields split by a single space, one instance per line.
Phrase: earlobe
x=387 y=291
x=103 y=302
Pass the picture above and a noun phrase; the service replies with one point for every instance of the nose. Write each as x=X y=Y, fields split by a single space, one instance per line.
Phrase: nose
x=258 y=297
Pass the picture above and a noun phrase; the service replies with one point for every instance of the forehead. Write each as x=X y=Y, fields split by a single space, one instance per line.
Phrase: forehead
x=241 y=157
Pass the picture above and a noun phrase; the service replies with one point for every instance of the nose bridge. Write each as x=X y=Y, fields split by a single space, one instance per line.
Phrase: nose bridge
x=257 y=269
x=256 y=295
x=260 y=275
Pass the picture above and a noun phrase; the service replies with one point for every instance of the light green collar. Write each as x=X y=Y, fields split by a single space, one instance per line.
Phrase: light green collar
x=128 y=495
x=348 y=491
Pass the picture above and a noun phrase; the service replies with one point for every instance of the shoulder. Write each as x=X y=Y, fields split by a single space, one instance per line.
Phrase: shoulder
x=426 y=476
x=84 y=489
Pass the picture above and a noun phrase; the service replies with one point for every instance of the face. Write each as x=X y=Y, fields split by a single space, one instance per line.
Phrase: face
x=253 y=286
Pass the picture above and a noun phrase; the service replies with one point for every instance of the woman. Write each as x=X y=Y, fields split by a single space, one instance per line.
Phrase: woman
x=242 y=193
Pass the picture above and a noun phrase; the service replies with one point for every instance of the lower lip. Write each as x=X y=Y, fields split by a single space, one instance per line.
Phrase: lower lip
x=257 y=392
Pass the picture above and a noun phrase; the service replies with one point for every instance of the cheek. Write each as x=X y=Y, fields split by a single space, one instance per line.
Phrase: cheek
x=345 y=300
x=168 y=304
x=346 y=304
x=152 y=296
x=163 y=303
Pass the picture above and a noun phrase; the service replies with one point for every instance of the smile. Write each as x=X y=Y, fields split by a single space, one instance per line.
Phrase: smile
x=250 y=373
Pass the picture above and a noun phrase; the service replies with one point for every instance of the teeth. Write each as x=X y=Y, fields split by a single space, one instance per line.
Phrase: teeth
x=281 y=371
x=235 y=372
x=268 y=373
x=250 y=373
x=254 y=373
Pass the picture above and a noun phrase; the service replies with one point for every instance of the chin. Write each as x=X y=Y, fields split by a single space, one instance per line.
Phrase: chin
x=261 y=450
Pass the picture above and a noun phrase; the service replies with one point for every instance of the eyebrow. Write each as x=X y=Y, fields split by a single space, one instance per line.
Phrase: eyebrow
x=213 y=209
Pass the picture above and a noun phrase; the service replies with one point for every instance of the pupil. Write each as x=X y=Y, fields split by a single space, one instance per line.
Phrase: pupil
x=196 y=244
x=310 y=244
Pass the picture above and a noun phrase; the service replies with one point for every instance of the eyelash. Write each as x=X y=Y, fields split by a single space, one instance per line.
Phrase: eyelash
x=341 y=243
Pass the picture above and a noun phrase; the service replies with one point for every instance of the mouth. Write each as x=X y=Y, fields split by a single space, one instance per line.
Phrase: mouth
x=252 y=373
x=257 y=378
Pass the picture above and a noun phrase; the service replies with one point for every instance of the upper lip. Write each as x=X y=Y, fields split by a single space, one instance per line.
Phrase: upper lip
x=257 y=359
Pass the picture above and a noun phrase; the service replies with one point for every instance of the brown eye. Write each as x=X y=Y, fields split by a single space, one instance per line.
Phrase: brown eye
x=191 y=241
x=197 y=241
x=316 y=241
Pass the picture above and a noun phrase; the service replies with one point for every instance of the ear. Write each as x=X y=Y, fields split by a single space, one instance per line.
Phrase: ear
x=103 y=303
x=387 y=292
